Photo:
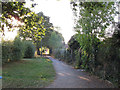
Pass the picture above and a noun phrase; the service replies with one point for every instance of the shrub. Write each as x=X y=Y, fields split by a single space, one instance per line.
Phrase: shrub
x=59 y=53
x=108 y=58
x=12 y=50
x=18 y=50
x=7 y=51
x=29 y=49
x=67 y=57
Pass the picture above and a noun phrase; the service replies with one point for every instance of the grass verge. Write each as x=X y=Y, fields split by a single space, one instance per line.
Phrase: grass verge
x=28 y=73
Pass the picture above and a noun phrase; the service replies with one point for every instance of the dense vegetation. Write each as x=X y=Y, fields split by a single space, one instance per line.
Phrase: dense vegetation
x=91 y=48
x=32 y=27
x=52 y=40
x=17 y=49
x=106 y=63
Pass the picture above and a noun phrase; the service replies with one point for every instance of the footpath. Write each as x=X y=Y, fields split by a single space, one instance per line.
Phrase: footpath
x=68 y=77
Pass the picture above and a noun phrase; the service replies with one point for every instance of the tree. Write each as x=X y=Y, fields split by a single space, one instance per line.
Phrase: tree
x=56 y=40
x=56 y=43
x=93 y=19
x=73 y=43
x=12 y=9
x=33 y=24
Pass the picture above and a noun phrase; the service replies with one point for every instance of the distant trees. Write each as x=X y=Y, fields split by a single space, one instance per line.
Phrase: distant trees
x=56 y=40
x=52 y=40
x=56 y=43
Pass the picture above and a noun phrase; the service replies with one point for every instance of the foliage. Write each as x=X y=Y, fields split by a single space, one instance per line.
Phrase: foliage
x=52 y=40
x=18 y=49
x=12 y=9
x=55 y=40
x=94 y=17
x=78 y=61
x=108 y=60
x=29 y=73
x=12 y=50
x=59 y=53
x=29 y=49
x=67 y=56
x=73 y=43
x=32 y=25
x=35 y=26
x=97 y=57
x=46 y=38
x=73 y=46
x=48 y=32
x=89 y=46
x=7 y=48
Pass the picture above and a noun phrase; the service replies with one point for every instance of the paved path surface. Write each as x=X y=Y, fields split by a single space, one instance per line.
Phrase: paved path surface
x=67 y=77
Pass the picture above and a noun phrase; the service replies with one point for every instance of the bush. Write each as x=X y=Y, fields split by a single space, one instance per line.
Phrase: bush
x=108 y=58
x=59 y=53
x=18 y=50
x=12 y=50
x=67 y=57
x=7 y=51
x=29 y=49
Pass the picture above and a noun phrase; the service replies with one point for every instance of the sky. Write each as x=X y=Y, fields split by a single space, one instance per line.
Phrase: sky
x=60 y=14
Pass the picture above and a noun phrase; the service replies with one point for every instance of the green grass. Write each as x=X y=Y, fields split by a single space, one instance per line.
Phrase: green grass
x=33 y=73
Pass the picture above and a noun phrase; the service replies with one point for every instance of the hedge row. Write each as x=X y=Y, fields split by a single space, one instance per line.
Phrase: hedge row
x=16 y=50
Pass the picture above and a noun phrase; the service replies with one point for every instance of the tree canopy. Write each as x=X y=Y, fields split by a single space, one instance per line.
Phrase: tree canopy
x=33 y=25
x=94 y=17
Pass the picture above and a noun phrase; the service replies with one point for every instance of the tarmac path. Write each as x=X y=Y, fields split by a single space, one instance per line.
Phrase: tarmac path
x=68 y=77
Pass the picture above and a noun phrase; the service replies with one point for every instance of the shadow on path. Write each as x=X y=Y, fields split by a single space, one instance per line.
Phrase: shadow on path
x=67 y=77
